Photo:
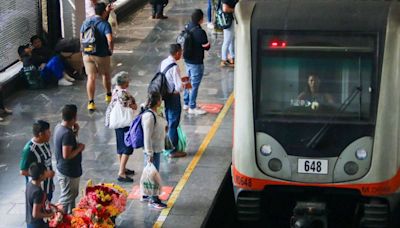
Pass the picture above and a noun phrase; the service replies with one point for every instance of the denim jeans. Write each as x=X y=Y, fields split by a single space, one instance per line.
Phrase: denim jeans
x=173 y=114
x=156 y=160
x=229 y=42
x=195 y=73
x=209 y=10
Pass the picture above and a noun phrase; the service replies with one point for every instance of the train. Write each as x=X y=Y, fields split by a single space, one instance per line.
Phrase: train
x=316 y=127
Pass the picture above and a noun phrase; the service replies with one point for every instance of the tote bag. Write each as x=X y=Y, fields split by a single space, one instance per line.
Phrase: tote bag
x=120 y=116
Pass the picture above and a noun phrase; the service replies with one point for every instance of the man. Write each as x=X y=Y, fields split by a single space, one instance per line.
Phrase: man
x=194 y=61
x=173 y=107
x=68 y=157
x=228 y=7
x=158 y=9
x=37 y=150
x=3 y=109
x=99 y=62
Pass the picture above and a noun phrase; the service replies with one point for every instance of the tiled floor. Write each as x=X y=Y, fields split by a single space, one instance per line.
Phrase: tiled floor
x=141 y=45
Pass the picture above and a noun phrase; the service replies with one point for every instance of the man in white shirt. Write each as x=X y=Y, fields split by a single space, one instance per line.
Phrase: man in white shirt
x=173 y=106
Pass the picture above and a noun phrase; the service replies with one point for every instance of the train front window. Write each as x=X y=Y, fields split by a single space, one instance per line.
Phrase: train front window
x=320 y=82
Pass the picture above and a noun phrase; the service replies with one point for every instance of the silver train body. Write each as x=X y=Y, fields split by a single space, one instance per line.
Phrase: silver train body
x=325 y=155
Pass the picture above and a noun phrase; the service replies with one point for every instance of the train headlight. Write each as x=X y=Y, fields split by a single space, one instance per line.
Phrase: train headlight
x=361 y=154
x=275 y=164
x=351 y=168
x=266 y=150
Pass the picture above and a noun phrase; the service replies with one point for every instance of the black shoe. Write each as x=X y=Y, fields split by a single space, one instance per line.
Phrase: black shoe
x=129 y=172
x=125 y=179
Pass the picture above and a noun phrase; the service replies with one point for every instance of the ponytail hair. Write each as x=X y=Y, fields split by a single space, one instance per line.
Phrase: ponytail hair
x=153 y=99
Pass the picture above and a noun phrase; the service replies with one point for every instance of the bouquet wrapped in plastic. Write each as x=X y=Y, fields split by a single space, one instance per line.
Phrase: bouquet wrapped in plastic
x=96 y=208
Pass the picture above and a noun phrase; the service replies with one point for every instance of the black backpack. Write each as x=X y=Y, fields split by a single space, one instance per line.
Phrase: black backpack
x=185 y=39
x=159 y=82
x=88 y=39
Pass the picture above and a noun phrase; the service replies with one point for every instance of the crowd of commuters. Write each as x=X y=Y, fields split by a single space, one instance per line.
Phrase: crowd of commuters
x=36 y=158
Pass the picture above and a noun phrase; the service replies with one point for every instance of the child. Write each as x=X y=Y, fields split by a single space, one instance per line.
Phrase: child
x=35 y=198
x=121 y=95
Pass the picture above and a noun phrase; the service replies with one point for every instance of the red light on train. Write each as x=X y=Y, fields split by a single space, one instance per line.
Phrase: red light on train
x=276 y=44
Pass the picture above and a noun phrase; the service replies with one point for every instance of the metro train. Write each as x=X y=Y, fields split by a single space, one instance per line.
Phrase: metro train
x=316 y=137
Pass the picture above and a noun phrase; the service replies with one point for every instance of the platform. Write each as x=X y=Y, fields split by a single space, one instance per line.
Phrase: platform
x=141 y=44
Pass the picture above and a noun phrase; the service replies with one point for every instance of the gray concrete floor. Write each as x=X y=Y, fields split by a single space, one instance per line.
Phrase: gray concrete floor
x=141 y=45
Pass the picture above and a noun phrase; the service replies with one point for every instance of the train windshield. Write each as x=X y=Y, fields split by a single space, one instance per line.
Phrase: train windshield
x=322 y=77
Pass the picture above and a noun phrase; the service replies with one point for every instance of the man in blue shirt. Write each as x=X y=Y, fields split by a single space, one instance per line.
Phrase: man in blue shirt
x=99 y=62
x=194 y=61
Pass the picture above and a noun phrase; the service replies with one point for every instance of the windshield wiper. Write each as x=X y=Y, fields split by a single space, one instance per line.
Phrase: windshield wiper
x=322 y=131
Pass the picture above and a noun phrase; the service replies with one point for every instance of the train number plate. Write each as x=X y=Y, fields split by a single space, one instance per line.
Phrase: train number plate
x=313 y=166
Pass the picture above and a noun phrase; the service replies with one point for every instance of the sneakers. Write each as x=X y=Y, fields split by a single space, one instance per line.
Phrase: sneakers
x=1 y=119
x=125 y=179
x=210 y=25
x=185 y=107
x=226 y=63
x=196 y=111
x=157 y=204
x=64 y=82
x=161 y=17
x=91 y=106
x=129 y=172
x=107 y=99
x=144 y=198
x=177 y=154
x=6 y=111
x=68 y=78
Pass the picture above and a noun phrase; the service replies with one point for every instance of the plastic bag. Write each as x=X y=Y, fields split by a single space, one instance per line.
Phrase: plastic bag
x=182 y=143
x=120 y=116
x=112 y=19
x=150 y=182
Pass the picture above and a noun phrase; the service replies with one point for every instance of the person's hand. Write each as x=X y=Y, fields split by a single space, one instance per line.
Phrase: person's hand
x=81 y=146
x=150 y=158
x=133 y=106
x=42 y=66
x=75 y=128
x=49 y=173
x=109 y=7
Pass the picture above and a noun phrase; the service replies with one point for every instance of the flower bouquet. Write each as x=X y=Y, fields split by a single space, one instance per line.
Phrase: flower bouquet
x=97 y=208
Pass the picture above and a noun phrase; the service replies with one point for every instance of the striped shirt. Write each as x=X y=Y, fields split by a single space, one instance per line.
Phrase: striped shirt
x=39 y=153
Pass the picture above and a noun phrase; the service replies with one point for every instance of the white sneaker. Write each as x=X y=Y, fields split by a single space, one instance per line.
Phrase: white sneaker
x=68 y=78
x=64 y=82
x=1 y=119
x=210 y=25
x=185 y=107
x=197 y=111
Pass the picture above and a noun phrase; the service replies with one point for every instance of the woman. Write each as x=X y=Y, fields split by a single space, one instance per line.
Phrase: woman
x=121 y=95
x=153 y=135
x=312 y=92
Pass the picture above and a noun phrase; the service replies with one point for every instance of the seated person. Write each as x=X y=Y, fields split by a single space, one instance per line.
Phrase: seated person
x=49 y=71
x=312 y=92
x=41 y=55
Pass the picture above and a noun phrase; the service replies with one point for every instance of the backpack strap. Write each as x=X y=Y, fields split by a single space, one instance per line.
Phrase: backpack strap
x=166 y=70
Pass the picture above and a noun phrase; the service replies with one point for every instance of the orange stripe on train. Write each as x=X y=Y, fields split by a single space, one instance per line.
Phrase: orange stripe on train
x=369 y=189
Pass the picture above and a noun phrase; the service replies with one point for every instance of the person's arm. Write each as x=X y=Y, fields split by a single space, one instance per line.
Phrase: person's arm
x=109 y=36
x=227 y=9
x=26 y=160
x=176 y=77
x=148 y=128
x=204 y=41
x=37 y=210
x=67 y=149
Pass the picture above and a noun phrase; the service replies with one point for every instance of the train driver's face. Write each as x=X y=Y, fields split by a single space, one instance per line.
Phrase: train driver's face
x=313 y=82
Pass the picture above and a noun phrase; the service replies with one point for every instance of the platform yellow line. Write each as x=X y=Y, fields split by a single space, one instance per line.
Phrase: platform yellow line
x=188 y=172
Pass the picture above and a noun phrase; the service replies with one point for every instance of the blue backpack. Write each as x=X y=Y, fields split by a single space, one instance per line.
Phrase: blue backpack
x=134 y=136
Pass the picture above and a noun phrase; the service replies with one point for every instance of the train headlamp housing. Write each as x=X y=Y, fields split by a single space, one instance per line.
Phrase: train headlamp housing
x=361 y=154
x=266 y=150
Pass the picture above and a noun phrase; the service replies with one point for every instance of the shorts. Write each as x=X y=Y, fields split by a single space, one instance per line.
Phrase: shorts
x=95 y=64
x=121 y=147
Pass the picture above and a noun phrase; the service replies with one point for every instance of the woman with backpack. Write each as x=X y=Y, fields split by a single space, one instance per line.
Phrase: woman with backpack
x=154 y=127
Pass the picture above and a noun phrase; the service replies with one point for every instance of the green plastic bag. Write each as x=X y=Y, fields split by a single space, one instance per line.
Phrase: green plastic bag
x=182 y=143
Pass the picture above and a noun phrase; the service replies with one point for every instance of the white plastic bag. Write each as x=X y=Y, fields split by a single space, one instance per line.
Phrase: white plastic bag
x=112 y=19
x=120 y=116
x=150 y=182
